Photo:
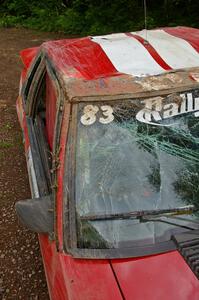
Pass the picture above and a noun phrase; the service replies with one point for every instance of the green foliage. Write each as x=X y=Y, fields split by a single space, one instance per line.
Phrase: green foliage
x=97 y=16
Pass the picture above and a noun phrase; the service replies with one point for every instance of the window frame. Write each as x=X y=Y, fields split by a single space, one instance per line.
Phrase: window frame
x=35 y=74
x=30 y=90
x=70 y=220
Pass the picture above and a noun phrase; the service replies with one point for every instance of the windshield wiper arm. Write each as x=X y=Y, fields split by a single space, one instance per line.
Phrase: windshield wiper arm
x=183 y=210
x=144 y=220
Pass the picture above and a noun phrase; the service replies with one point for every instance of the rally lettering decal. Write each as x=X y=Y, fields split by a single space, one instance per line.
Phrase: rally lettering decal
x=155 y=110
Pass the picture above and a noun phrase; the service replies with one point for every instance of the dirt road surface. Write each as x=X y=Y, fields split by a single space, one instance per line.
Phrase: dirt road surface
x=21 y=270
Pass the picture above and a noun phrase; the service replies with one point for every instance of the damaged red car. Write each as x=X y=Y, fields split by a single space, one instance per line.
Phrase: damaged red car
x=111 y=133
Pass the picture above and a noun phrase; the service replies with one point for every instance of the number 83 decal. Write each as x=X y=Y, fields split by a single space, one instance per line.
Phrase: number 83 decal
x=89 y=117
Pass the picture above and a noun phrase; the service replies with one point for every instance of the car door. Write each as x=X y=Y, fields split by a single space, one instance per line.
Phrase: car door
x=41 y=100
x=38 y=152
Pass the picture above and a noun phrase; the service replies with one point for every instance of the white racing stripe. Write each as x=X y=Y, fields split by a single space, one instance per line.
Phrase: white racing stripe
x=128 y=55
x=176 y=52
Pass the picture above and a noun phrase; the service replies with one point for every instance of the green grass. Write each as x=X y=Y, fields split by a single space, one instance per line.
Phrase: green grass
x=97 y=17
x=6 y=145
x=7 y=126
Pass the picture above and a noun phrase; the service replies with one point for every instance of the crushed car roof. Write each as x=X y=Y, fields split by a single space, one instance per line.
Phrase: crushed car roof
x=126 y=63
x=139 y=53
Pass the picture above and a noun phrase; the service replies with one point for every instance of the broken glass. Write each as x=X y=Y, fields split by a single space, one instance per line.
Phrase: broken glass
x=135 y=155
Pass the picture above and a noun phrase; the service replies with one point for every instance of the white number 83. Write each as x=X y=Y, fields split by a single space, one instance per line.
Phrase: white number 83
x=90 y=111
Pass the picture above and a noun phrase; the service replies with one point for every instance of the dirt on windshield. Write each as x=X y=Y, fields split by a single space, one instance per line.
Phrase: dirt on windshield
x=21 y=270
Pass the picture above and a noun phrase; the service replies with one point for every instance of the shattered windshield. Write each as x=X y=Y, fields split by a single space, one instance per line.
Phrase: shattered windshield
x=135 y=155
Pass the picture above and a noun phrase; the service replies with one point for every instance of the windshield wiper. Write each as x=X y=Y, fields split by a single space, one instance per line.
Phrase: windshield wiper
x=183 y=210
x=144 y=220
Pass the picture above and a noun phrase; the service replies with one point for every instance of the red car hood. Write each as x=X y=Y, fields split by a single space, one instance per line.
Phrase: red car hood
x=159 y=277
x=166 y=276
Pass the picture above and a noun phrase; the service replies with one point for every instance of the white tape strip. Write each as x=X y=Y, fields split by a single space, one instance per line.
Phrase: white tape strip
x=175 y=51
x=128 y=55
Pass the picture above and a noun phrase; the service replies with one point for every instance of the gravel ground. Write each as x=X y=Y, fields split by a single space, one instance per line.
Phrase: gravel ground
x=21 y=270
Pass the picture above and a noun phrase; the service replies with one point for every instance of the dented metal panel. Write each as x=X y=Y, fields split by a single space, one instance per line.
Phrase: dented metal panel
x=125 y=86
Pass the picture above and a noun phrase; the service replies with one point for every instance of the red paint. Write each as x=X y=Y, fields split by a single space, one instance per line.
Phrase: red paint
x=191 y=35
x=80 y=58
x=27 y=56
x=77 y=279
x=164 y=276
x=151 y=51
x=83 y=58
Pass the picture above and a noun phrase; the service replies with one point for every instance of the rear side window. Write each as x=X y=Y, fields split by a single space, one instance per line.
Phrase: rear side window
x=31 y=78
